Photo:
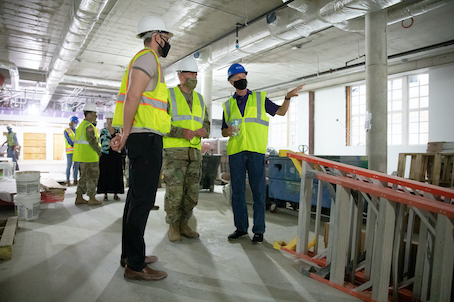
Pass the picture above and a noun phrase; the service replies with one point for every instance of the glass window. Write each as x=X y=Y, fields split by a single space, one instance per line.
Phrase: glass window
x=408 y=114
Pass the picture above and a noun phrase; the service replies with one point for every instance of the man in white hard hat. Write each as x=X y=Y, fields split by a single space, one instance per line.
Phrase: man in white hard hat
x=141 y=111
x=86 y=152
x=13 y=144
x=182 y=166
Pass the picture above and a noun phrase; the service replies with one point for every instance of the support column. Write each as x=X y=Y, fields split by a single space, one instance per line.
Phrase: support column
x=377 y=90
x=311 y=122
x=207 y=88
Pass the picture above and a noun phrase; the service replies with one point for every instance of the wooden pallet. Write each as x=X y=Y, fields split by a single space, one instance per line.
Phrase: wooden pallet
x=433 y=168
x=9 y=228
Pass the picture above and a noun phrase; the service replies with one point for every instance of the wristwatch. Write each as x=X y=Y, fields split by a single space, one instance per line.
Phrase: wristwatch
x=287 y=98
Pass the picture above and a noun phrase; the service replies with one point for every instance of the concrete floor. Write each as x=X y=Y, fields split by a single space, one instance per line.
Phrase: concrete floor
x=72 y=253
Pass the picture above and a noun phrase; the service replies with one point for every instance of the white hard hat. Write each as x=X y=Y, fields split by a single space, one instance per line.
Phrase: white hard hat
x=151 y=23
x=109 y=114
x=188 y=64
x=90 y=107
x=9 y=126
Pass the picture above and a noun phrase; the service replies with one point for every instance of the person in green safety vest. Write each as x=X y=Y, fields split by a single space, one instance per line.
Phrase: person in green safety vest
x=182 y=167
x=141 y=110
x=70 y=134
x=86 y=152
x=245 y=122
x=13 y=144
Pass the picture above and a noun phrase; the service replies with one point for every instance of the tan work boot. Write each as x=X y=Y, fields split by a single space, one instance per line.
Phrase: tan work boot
x=186 y=231
x=174 y=232
x=75 y=183
x=93 y=201
x=80 y=199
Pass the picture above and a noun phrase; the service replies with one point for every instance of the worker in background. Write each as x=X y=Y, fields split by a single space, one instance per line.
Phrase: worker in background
x=70 y=133
x=182 y=166
x=13 y=144
x=141 y=110
x=245 y=121
x=87 y=151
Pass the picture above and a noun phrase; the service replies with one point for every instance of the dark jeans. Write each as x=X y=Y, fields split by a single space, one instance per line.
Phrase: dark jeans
x=254 y=163
x=145 y=159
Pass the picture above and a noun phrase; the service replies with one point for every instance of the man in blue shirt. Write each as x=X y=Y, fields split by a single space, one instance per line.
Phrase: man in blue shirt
x=247 y=149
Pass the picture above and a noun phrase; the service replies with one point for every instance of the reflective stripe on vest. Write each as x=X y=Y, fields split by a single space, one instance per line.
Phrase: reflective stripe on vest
x=10 y=139
x=184 y=117
x=253 y=135
x=152 y=111
x=83 y=152
x=69 y=149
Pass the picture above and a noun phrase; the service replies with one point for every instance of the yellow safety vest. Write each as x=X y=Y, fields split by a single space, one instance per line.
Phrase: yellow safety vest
x=83 y=152
x=71 y=134
x=152 y=111
x=183 y=117
x=253 y=135
x=10 y=139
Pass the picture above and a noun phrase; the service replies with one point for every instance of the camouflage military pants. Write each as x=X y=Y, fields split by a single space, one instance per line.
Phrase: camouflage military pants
x=89 y=174
x=182 y=171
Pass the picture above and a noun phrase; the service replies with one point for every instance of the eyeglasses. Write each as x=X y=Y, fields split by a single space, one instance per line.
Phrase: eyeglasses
x=167 y=39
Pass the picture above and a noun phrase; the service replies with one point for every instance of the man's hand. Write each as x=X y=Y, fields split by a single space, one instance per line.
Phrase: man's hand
x=202 y=132
x=118 y=142
x=188 y=134
x=232 y=131
x=294 y=92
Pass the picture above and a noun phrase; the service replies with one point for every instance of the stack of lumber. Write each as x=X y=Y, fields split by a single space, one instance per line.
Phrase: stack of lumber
x=435 y=168
x=51 y=191
x=8 y=230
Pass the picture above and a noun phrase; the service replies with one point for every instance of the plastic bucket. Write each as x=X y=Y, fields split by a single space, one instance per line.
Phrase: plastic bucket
x=27 y=206
x=27 y=182
x=7 y=168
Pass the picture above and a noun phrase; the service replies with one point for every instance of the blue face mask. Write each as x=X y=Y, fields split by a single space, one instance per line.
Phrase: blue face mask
x=10 y=130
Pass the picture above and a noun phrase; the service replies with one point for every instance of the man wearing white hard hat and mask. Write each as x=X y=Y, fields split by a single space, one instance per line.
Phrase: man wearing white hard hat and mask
x=141 y=110
x=86 y=152
x=182 y=166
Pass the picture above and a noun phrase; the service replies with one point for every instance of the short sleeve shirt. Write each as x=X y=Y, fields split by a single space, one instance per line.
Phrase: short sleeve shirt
x=148 y=64
x=270 y=106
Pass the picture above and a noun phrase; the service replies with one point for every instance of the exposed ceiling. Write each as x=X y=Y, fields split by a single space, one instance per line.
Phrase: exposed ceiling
x=32 y=33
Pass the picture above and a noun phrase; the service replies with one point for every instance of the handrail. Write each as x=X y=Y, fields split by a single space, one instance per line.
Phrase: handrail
x=435 y=190
x=393 y=203
x=411 y=200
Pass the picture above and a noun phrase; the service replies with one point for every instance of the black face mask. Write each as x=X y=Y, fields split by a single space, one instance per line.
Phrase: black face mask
x=164 y=49
x=240 y=84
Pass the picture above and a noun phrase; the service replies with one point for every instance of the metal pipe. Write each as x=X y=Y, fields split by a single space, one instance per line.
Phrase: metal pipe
x=83 y=18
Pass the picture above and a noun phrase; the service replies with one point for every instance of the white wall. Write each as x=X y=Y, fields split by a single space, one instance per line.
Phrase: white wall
x=47 y=122
x=441 y=104
x=329 y=123
x=330 y=116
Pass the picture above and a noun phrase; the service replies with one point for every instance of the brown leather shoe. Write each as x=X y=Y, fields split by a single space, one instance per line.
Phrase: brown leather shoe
x=75 y=183
x=148 y=260
x=147 y=273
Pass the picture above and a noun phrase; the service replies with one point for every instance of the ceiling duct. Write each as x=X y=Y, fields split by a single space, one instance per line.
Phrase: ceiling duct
x=13 y=73
x=281 y=26
x=395 y=14
x=82 y=20
x=83 y=81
